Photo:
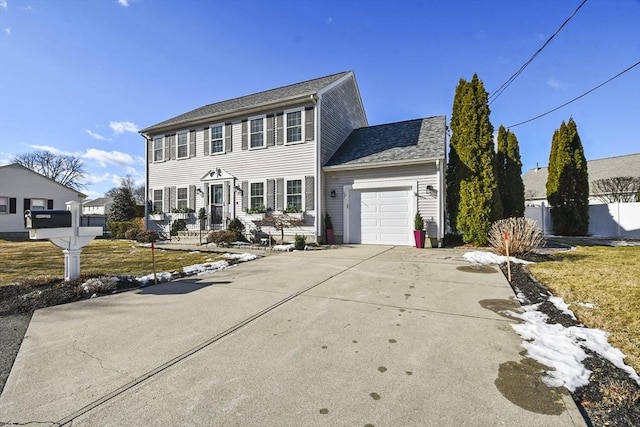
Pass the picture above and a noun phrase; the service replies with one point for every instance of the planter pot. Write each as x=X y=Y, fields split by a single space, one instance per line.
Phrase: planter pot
x=418 y=235
x=255 y=217
x=329 y=236
x=295 y=215
x=156 y=217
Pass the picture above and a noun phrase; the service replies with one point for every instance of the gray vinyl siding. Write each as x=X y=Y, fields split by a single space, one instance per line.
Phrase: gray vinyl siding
x=340 y=113
x=424 y=175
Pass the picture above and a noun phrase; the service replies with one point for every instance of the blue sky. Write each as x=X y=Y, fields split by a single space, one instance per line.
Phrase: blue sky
x=82 y=76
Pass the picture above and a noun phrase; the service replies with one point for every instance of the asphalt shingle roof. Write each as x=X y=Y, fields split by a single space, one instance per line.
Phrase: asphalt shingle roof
x=535 y=180
x=409 y=140
x=308 y=87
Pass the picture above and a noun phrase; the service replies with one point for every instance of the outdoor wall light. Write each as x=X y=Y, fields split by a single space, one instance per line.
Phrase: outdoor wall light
x=432 y=191
x=199 y=192
x=333 y=194
x=238 y=190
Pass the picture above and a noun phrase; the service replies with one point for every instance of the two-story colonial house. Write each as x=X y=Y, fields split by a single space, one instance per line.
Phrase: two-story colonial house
x=306 y=147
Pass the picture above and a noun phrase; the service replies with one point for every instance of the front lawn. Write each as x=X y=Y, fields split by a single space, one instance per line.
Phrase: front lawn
x=602 y=286
x=31 y=259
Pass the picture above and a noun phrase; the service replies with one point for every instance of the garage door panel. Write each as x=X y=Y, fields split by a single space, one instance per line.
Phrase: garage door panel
x=385 y=217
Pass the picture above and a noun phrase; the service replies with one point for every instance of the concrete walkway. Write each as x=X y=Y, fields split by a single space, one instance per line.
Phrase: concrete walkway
x=357 y=336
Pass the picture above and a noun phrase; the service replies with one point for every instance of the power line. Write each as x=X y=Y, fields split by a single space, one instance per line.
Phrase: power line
x=506 y=84
x=576 y=98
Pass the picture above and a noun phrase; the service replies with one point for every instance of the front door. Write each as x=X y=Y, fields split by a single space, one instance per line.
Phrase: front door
x=216 y=196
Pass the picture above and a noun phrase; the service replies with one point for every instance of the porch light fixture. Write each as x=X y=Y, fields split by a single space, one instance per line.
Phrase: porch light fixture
x=431 y=191
x=238 y=190
x=333 y=194
x=199 y=192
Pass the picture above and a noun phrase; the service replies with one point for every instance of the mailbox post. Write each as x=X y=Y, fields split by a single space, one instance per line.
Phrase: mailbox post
x=63 y=229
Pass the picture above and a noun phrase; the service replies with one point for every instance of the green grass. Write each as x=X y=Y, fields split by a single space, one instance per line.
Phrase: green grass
x=32 y=259
x=608 y=277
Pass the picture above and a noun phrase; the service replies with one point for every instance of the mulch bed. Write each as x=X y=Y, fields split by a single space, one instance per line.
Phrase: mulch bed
x=611 y=398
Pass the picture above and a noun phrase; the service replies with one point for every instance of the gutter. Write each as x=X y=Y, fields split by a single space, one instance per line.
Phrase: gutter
x=392 y=163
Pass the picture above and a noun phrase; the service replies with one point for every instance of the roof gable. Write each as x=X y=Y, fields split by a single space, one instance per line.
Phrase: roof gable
x=293 y=91
x=19 y=166
x=411 y=140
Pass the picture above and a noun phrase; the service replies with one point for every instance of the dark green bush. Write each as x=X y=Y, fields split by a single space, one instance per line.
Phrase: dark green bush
x=118 y=229
x=178 y=225
x=221 y=237
x=238 y=228
x=147 y=236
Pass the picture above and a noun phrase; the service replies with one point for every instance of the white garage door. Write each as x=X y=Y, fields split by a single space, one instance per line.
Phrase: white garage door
x=385 y=217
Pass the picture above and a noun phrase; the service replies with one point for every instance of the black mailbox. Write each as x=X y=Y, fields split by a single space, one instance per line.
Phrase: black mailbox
x=47 y=219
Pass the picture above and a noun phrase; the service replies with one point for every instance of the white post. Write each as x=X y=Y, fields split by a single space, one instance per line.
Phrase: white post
x=71 y=263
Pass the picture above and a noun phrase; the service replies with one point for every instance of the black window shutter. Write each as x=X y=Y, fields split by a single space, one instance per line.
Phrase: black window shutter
x=271 y=197
x=227 y=138
x=206 y=141
x=279 y=129
x=309 y=121
x=12 y=205
x=192 y=143
x=280 y=194
x=27 y=204
x=271 y=141
x=49 y=204
x=245 y=143
x=309 y=193
x=245 y=194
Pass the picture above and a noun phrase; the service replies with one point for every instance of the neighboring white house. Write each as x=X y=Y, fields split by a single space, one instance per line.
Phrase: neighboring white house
x=99 y=206
x=304 y=147
x=22 y=189
x=535 y=180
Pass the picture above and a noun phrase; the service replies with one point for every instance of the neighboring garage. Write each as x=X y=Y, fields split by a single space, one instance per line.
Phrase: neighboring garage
x=381 y=176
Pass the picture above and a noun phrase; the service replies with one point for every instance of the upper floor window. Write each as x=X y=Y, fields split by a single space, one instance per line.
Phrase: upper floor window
x=293 y=126
x=158 y=149
x=157 y=200
x=4 y=204
x=217 y=139
x=294 y=195
x=256 y=199
x=183 y=145
x=256 y=133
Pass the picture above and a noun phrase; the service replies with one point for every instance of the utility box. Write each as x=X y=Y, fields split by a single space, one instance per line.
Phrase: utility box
x=47 y=219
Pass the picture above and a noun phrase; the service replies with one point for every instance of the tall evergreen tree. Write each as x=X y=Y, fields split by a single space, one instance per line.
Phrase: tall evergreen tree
x=477 y=204
x=123 y=207
x=510 y=183
x=568 y=182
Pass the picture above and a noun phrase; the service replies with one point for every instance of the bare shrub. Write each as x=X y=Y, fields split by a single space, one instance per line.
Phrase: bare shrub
x=221 y=237
x=523 y=236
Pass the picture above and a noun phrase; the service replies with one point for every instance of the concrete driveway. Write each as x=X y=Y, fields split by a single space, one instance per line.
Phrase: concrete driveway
x=354 y=336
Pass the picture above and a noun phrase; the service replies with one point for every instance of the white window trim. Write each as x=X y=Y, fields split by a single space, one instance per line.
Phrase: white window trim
x=262 y=117
x=161 y=139
x=153 y=200
x=184 y=132
x=6 y=205
x=211 y=152
x=302 y=126
x=44 y=204
x=303 y=189
x=188 y=195
x=264 y=193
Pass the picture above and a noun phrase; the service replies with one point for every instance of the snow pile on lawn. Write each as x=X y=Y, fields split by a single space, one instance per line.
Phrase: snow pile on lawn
x=283 y=248
x=194 y=269
x=561 y=348
x=479 y=257
x=558 y=347
x=241 y=257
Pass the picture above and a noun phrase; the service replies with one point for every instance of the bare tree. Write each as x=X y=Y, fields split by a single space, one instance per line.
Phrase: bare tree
x=64 y=169
x=621 y=189
x=129 y=183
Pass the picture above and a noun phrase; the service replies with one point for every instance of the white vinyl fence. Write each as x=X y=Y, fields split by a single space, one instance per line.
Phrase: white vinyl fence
x=610 y=220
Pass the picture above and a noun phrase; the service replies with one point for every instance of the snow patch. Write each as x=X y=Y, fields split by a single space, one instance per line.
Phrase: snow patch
x=244 y=257
x=283 y=248
x=586 y=304
x=205 y=268
x=562 y=306
x=480 y=257
x=162 y=277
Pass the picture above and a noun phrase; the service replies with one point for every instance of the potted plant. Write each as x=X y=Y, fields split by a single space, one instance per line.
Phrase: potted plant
x=256 y=213
x=328 y=225
x=300 y=241
x=418 y=232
